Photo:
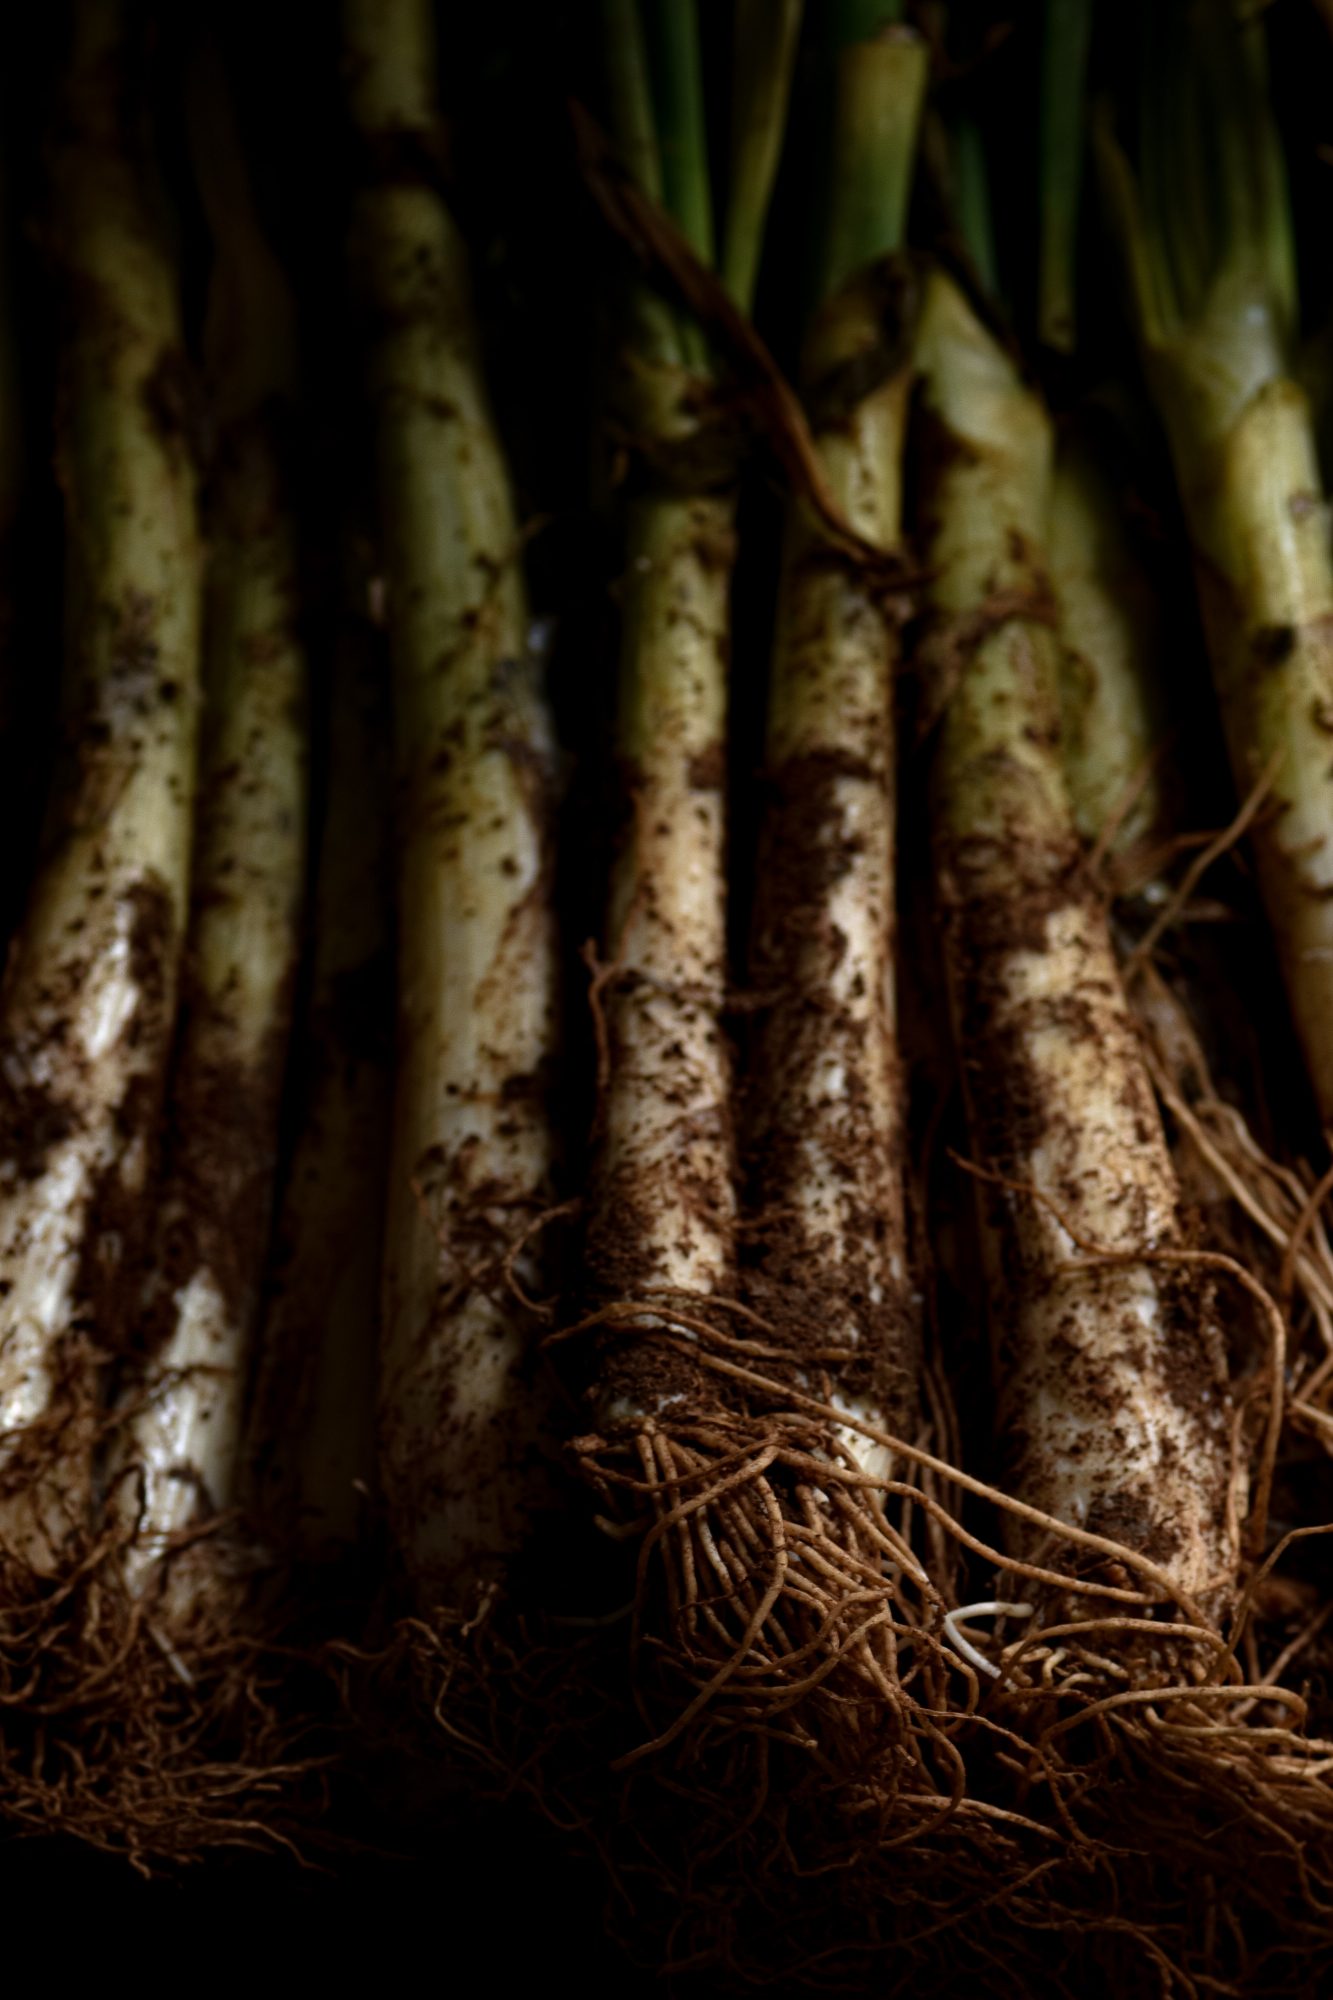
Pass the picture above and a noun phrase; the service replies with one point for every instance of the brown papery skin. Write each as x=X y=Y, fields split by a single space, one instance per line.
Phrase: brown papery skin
x=1111 y=1378
x=825 y=1130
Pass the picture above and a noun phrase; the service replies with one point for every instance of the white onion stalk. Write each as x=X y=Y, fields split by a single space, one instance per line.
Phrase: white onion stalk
x=1113 y=634
x=762 y=1586
x=1216 y=333
x=663 y=1200
x=463 y=1423
x=664 y=1203
x=89 y=993
x=1112 y=1377
x=182 y=1443
x=827 y=1130
x=310 y=1430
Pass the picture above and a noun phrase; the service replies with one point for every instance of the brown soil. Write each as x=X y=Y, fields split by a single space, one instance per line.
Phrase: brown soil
x=107 y=1739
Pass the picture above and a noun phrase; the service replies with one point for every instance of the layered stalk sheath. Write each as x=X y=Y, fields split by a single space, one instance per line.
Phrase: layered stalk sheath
x=310 y=1441
x=1114 y=659
x=212 y=1220
x=89 y=992
x=1206 y=241
x=462 y=1419
x=826 y=1130
x=1112 y=1377
x=663 y=1201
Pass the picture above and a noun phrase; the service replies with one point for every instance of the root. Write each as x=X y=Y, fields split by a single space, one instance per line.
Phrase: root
x=153 y=1748
x=800 y=1759
x=1025 y=1836
x=123 y=1731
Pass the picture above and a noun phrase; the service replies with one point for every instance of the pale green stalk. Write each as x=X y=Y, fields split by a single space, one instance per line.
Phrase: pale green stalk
x=179 y=1457
x=462 y=1418
x=663 y=1205
x=663 y=1201
x=1207 y=244
x=89 y=994
x=872 y=152
x=828 y=1134
x=1124 y=1436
